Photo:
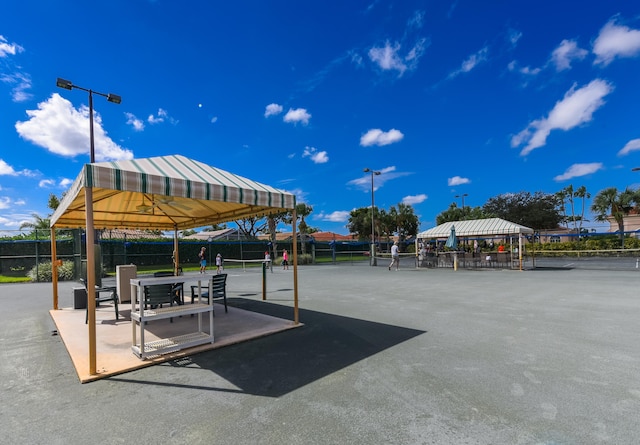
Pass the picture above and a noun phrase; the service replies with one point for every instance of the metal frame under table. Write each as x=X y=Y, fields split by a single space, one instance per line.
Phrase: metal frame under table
x=140 y=315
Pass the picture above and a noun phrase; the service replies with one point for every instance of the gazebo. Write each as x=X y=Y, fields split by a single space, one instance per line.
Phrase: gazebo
x=169 y=193
x=487 y=227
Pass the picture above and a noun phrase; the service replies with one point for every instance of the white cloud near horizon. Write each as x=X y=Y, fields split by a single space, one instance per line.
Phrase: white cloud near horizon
x=297 y=115
x=632 y=145
x=272 y=110
x=318 y=157
x=414 y=199
x=337 y=216
x=576 y=108
x=61 y=129
x=380 y=138
x=577 y=170
x=615 y=41
x=457 y=180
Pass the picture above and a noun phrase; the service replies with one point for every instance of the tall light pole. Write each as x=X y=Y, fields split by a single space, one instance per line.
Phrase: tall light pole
x=92 y=252
x=462 y=196
x=372 y=250
x=68 y=85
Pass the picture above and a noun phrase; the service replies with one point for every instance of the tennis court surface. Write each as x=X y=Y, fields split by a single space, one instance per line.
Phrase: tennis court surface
x=408 y=357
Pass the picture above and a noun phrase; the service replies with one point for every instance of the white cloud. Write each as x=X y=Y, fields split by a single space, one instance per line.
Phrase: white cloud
x=20 y=82
x=457 y=180
x=416 y=21
x=414 y=199
x=160 y=117
x=386 y=174
x=471 y=62
x=576 y=108
x=577 y=170
x=632 y=145
x=5 y=203
x=565 y=53
x=378 y=137
x=7 y=48
x=319 y=157
x=6 y=169
x=615 y=41
x=513 y=36
x=136 y=123
x=388 y=57
x=337 y=216
x=63 y=184
x=61 y=129
x=272 y=109
x=297 y=115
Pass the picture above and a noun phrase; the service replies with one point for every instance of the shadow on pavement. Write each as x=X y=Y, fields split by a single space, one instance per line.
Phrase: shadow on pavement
x=278 y=364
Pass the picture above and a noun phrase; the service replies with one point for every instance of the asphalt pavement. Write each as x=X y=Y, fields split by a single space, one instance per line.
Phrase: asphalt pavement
x=429 y=356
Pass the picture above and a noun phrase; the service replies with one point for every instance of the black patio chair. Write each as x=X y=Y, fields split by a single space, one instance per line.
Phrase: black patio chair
x=178 y=288
x=219 y=288
x=112 y=295
x=156 y=295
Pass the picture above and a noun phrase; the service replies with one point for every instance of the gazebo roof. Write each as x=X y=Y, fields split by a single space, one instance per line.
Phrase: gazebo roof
x=165 y=193
x=475 y=227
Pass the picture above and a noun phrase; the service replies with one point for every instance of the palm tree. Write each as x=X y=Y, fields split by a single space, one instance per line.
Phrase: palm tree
x=582 y=193
x=561 y=196
x=38 y=224
x=302 y=211
x=570 y=194
x=610 y=202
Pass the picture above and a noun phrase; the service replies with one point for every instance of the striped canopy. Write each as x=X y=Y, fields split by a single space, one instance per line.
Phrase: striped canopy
x=165 y=193
x=475 y=227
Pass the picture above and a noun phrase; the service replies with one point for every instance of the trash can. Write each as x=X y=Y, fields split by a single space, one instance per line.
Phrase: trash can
x=124 y=275
x=79 y=298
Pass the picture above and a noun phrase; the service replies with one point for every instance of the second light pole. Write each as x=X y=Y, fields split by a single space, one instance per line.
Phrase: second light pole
x=462 y=196
x=372 y=251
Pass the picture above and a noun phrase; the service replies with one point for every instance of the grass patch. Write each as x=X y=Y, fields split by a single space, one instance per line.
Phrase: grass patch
x=5 y=279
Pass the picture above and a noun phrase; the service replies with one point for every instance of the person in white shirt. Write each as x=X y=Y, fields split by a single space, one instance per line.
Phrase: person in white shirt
x=395 y=256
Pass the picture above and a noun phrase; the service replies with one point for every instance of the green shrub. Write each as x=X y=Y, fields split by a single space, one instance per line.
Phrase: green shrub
x=43 y=272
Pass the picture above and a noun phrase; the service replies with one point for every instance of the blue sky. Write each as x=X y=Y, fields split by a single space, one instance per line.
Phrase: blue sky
x=444 y=98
